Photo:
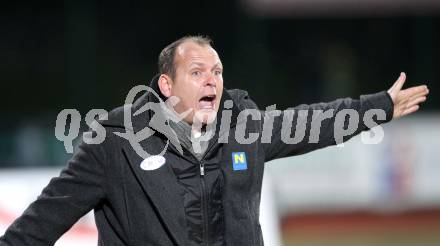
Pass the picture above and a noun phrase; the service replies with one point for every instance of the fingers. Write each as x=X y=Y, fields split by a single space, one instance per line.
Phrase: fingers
x=410 y=110
x=416 y=91
x=415 y=101
x=411 y=105
x=414 y=97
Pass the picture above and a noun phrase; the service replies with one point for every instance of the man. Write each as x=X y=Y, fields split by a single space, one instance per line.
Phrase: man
x=205 y=195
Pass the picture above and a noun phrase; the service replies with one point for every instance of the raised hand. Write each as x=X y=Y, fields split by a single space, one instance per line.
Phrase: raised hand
x=406 y=101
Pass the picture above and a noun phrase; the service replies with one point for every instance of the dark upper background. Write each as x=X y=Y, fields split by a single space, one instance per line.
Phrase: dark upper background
x=89 y=54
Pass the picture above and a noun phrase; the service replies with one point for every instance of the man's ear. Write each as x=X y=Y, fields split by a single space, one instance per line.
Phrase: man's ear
x=165 y=85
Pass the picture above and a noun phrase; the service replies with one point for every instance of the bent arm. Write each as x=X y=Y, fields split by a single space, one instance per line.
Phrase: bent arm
x=79 y=188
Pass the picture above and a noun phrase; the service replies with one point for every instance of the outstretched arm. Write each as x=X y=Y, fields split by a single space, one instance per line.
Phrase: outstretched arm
x=328 y=124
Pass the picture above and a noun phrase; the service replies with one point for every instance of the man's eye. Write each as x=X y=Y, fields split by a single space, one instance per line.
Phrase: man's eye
x=217 y=72
x=196 y=73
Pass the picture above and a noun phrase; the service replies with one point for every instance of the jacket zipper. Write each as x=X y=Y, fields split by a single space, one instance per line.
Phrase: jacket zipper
x=204 y=204
x=204 y=200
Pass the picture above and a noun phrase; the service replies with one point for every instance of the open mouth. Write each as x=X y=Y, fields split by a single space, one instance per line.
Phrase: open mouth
x=207 y=102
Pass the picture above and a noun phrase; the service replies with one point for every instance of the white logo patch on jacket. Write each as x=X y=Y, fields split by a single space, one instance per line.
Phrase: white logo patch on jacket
x=152 y=162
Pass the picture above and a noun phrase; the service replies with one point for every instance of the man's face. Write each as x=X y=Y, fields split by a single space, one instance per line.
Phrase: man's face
x=198 y=81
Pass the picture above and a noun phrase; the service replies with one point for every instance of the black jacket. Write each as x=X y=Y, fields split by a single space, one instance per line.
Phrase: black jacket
x=137 y=207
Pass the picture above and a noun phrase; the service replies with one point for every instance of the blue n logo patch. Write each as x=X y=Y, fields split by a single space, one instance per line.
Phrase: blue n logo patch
x=239 y=161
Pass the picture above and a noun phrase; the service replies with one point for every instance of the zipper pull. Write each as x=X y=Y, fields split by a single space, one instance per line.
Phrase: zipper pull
x=202 y=169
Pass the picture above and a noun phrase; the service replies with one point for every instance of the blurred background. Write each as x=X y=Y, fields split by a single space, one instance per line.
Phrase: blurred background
x=89 y=54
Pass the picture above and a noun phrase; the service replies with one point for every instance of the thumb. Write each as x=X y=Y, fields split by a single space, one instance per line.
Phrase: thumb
x=399 y=82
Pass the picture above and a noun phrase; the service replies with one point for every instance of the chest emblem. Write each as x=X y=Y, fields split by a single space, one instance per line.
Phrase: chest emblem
x=152 y=162
x=239 y=161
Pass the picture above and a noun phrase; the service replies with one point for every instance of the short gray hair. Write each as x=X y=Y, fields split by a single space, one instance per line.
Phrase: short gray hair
x=166 y=56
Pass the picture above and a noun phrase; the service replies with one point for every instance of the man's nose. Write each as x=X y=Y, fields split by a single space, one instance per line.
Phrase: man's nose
x=211 y=80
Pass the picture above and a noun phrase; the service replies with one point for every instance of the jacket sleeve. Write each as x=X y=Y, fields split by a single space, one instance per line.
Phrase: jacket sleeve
x=309 y=127
x=78 y=189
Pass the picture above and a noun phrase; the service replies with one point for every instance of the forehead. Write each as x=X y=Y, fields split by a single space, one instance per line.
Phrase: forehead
x=190 y=52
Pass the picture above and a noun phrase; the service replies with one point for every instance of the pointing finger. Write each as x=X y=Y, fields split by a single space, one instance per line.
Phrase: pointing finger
x=423 y=94
x=416 y=91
